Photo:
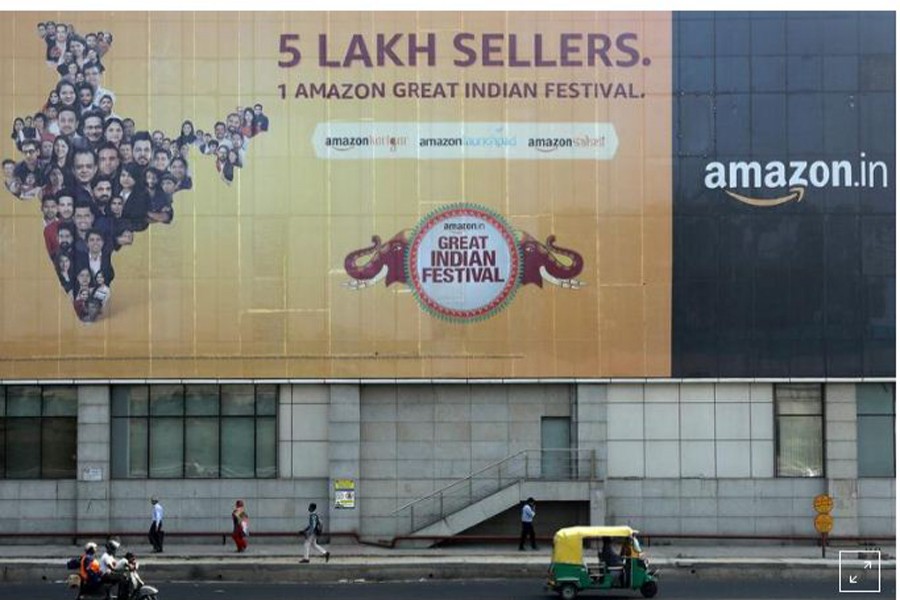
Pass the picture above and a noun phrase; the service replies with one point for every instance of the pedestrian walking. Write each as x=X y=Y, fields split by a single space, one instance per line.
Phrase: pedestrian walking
x=156 y=534
x=528 y=513
x=241 y=526
x=312 y=531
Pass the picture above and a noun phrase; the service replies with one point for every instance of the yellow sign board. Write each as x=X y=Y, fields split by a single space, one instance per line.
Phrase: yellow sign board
x=824 y=523
x=345 y=493
x=823 y=503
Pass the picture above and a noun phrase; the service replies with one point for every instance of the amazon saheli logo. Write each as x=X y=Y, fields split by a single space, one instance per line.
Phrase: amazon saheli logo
x=772 y=183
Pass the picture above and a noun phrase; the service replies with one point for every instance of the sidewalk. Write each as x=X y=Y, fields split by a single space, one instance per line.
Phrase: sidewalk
x=279 y=562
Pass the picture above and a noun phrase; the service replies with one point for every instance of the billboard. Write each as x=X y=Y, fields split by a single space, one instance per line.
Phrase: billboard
x=381 y=195
x=784 y=226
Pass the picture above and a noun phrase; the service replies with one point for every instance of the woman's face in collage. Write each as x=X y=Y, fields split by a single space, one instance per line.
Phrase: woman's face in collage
x=126 y=180
x=117 y=206
x=60 y=147
x=114 y=133
x=67 y=93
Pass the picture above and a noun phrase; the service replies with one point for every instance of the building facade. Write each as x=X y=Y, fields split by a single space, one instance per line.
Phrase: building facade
x=733 y=458
x=650 y=279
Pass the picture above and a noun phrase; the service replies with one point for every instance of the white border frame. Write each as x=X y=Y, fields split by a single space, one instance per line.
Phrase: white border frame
x=841 y=569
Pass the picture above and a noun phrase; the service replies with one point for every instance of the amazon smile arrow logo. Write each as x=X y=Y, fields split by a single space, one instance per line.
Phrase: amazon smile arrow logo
x=796 y=175
x=796 y=194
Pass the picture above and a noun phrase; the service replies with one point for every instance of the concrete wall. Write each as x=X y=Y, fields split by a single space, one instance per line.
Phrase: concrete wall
x=344 y=453
x=416 y=439
x=303 y=416
x=671 y=457
x=206 y=505
x=700 y=458
x=591 y=435
x=877 y=506
x=37 y=506
x=93 y=497
x=840 y=457
x=690 y=430
x=715 y=506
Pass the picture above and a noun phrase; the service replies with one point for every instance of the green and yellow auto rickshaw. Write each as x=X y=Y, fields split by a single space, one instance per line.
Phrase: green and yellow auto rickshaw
x=626 y=567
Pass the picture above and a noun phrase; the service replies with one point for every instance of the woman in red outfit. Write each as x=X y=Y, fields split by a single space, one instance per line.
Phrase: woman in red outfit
x=241 y=522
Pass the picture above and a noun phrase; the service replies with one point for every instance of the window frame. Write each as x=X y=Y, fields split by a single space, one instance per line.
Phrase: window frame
x=777 y=429
x=893 y=420
x=44 y=421
x=219 y=417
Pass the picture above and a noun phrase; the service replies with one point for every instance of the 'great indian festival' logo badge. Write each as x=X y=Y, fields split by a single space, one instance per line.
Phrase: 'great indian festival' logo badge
x=464 y=263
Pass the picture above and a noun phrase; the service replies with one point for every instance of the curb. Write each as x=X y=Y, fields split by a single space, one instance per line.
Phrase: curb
x=342 y=570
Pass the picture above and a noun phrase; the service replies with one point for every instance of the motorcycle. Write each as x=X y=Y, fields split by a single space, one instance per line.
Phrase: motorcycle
x=130 y=586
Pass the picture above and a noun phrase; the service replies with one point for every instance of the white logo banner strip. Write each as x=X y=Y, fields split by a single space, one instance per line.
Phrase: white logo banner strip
x=458 y=140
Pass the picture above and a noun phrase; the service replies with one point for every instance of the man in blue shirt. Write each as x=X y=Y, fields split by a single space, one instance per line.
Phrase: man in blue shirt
x=156 y=525
x=528 y=513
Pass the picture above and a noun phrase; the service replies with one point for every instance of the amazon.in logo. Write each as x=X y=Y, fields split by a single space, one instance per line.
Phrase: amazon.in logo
x=776 y=182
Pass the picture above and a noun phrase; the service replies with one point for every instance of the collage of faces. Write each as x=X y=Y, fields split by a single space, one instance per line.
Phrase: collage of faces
x=98 y=179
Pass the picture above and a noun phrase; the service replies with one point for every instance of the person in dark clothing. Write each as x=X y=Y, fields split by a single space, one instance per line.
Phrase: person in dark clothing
x=528 y=513
x=608 y=555
x=133 y=192
x=260 y=119
x=312 y=532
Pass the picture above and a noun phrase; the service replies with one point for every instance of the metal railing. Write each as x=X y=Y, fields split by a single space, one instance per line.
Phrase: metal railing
x=555 y=464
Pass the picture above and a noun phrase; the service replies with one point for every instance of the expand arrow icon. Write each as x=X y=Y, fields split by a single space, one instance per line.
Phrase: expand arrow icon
x=796 y=194
x=868 y=565
x=853 y=579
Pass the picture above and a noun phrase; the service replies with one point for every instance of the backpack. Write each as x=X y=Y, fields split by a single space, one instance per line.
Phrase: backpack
x=317 y=530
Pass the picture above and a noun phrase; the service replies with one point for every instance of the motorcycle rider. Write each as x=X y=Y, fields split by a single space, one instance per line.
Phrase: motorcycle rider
x=131 y=581
x=109 y=564
x=88 y=569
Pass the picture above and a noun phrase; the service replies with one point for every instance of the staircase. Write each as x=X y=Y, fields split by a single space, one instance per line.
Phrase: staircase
x=554 y=474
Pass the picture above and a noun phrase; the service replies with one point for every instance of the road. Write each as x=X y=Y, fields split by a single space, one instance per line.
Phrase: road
x=687 y=588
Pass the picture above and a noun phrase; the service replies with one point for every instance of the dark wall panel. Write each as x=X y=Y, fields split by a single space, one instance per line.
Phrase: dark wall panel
x=798 y=289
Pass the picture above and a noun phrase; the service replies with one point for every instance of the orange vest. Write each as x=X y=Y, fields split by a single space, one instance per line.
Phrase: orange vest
x=87 y=565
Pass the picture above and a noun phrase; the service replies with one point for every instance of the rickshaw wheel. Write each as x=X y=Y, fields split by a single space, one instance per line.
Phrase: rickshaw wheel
x=648 y=590
x=568 y=591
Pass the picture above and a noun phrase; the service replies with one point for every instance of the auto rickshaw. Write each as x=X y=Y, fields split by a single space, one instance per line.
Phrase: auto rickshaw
x=570 y=573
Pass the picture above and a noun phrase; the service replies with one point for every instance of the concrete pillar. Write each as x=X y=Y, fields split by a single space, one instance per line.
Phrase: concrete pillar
x=598 y=503
x=841 y=457
x=590 y=426
x=344 y=455
x=92 y=498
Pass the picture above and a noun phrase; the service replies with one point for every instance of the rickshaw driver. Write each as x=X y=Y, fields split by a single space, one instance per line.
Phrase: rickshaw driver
x=628 y=551
x=612 y=560
x=608 y=556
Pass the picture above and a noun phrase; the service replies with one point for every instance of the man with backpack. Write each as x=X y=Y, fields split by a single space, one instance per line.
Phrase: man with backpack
x=312 y=531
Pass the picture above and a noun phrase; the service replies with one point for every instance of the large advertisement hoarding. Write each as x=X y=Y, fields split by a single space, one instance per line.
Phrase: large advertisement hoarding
x=448 y=194
x=356 y=195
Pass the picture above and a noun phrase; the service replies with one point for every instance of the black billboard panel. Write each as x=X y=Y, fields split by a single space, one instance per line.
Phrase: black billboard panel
x=785 y=200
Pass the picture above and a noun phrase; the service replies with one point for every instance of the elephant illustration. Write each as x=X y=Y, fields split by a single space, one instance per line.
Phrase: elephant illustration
x=379 y=261
x=550 y=263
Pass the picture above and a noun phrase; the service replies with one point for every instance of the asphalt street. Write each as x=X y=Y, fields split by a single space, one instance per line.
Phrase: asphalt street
x=529 y=589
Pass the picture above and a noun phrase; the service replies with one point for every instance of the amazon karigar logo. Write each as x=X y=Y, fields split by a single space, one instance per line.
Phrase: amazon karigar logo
x=772 y=183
